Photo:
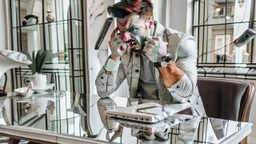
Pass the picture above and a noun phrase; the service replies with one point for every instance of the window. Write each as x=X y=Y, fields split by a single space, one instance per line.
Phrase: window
x=64 y=35
x=230 y=10
x=216 y=25
x=220 y=42
x=221 y=11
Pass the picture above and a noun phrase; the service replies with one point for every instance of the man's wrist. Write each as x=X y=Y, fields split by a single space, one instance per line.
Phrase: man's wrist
x=111 y=64
x=160 y=64
x=116 y=58
x=163 y=63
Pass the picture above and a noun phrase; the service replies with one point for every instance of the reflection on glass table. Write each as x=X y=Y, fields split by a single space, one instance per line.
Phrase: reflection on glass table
x=190 y=130
x=47 y=111
x=51 y=112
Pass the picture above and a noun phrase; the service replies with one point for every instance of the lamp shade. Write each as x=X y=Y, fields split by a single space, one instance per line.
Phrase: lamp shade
x=11 y=59
x=246 y=37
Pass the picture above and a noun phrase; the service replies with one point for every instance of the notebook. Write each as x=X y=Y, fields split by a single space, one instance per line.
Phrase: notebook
x=147 y=112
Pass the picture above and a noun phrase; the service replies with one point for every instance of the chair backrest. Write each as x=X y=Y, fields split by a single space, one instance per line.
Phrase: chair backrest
x=226 y=98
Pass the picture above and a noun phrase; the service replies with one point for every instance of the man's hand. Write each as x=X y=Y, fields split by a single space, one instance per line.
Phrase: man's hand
x=170 y=74
x=117 y=46
x=155 y=48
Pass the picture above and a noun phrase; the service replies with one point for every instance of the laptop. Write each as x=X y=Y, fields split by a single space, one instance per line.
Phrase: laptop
x=160 y=127
x=151 y=112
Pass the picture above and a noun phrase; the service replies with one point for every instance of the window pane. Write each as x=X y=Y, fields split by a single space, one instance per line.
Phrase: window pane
x=216 y=44
x=221 y=22
x=196 y=11
x=215 y=47
x=220 y=12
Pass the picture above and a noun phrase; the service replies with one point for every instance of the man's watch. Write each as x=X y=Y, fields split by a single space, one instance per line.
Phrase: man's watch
x=164 y=61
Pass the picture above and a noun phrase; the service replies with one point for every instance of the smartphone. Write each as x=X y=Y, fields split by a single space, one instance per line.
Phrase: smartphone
x=103 y=32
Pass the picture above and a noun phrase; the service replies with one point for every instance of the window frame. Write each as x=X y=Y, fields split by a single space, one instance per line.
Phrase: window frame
x=215 y=69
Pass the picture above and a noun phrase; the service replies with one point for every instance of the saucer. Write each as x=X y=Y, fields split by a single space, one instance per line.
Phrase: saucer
x=47 y=87
x=23 y=91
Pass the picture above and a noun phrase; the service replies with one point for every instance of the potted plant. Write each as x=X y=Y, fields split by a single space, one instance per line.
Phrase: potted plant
x=38 y=59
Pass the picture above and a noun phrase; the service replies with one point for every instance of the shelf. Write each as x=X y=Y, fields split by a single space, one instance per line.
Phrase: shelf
x=46 y=23
x=65 y=118
x=64 y=35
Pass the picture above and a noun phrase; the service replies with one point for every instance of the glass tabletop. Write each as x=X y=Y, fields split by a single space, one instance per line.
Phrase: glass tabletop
x=57 y=112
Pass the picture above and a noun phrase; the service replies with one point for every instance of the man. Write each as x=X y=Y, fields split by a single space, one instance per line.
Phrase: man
x=137 y=55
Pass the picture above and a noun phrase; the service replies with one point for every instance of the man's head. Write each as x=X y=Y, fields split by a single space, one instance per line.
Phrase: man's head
x=134 y=21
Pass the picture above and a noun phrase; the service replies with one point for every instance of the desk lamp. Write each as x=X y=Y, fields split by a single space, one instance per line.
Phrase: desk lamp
x=11 y=59
x=246 y=37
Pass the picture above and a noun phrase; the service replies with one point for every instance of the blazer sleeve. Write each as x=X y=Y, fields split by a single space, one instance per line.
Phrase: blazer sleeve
x=186 y=61
x=108 y=82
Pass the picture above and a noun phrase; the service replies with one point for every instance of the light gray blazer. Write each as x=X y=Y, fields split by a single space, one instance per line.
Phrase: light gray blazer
x=183 y=50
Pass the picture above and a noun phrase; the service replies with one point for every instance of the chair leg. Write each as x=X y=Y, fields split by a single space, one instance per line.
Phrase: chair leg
x=13 y=141
x=244 y=141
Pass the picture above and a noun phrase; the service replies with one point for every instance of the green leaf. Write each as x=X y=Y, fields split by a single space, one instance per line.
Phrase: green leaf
x=45 y=56
x=39 y=58
x=33 y=65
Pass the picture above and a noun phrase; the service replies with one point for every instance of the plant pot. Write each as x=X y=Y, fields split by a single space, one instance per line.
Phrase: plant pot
x=38 y=81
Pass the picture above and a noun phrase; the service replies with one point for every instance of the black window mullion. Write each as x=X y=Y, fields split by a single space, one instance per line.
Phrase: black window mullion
x=251 y=25
x=57 y=26
x=44 y=25
x=71 y=43
x=19 y=48
x=225 y=34
x=12 y=43
x=198 y=32
x=202 y=59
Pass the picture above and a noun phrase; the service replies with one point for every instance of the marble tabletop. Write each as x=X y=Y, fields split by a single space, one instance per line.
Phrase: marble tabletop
x=53 y=116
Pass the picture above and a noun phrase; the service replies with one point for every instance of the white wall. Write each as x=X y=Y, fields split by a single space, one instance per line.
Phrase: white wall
x=4 y=35
x=176 y=14
x=3 y=30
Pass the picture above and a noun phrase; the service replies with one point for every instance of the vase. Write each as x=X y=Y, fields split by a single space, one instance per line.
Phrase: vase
x=50 y=17
x=38 y=81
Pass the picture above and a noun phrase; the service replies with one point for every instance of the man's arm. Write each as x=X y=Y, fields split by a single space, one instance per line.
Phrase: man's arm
x=112 y=74
x=109 y=78
x=180 y=77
